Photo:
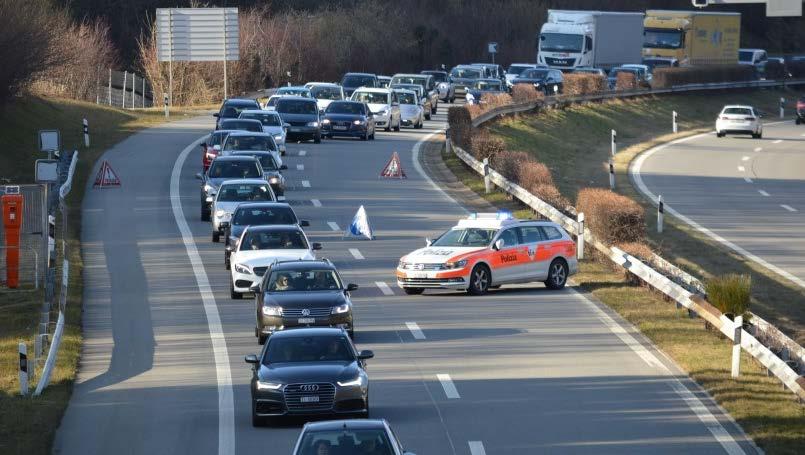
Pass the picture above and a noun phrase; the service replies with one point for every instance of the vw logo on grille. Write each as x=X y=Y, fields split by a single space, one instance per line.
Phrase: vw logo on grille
x=419 y=266
x=305 y=312
x=309 y=388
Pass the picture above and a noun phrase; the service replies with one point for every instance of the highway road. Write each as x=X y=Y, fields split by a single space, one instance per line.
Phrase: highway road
x=748 y=194
x=522 y=370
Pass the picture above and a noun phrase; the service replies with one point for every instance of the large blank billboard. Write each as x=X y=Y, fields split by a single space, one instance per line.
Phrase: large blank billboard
x=197 y=34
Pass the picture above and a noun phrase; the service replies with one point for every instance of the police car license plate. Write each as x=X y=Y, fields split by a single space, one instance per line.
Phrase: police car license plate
x=339 y=128
x=417 y=274
x=309 y=399
x=307 y=320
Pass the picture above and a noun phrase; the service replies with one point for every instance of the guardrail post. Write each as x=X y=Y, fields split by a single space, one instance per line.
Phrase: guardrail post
x=86 y=133
x=580 y=236
x=23 y=349
x=736 y=347
x=675 y=129
x=660 y=214
x=125 y=79
x=782 y=107
x=487 y=179
x=614 y=135
x=611 y=174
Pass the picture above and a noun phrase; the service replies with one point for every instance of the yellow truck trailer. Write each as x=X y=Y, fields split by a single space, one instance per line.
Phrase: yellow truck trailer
x=692 y=37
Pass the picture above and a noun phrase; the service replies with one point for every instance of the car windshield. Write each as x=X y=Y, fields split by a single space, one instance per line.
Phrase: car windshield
x=534 y=74
x=487 y=85
x=257 y=192
x=273 y=101
x=438 y=77
x=465 y=237
x=516 y=69
x=287 y=106
x=371 y=97
x=234 y=110
x=466 y=73
x=358 y=81
x=241 y=143
x=243 y=125
x=560 y=42
x=322 y=348
x=345 y=108
x=738 y=111
x=745 y=56
x=326 y=92
x=408 y=80
x=228 y=169
x=273 y=240
x=267 y=161
x=294 y=91
x=256 y=216
x=267 y=119
x=406 y=98
x=307 y=280
x=218 y=138
x=366 y=440
x=662 y=38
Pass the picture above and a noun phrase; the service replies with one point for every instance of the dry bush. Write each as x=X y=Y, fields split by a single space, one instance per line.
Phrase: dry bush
x=493 y=100
x=523 y=93
x=796 y=68
x=672 y=76
x=475 y=110
x=484 y=145
x=583 y=84
x=775 y=70
x=533 y=173
x=551 y=195
x=625 y=81
x=460 y=121
x=613 y=218
x=639 y=250
x=509 y=163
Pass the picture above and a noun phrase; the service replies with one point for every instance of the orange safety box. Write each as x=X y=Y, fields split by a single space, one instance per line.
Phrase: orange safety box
x=12 y=223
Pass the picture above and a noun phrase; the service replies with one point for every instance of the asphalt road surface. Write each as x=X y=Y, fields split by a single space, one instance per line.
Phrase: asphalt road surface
x=748 y=194
x=523 y=370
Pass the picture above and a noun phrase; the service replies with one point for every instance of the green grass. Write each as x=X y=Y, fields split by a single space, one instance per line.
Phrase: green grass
x=766 y=411
x=641 y=124
x=27 y=425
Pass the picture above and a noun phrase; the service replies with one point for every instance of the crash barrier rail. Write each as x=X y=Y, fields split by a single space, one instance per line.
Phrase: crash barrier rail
x=785 y=370
x=53 y=352
x=612 y=94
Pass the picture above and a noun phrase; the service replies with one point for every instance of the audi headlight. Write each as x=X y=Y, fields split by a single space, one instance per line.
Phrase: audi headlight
x=274 y=180
x=352 y=382
x=340 y=309
x=325 y=121
x=268 y=385
x=313 y=124
x=457 y=264
x=242 y=268
x=278 y=137
x=358 y=122
x=269 y=310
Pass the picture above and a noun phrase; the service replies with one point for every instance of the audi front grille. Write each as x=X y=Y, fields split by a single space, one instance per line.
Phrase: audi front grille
x=294 y=392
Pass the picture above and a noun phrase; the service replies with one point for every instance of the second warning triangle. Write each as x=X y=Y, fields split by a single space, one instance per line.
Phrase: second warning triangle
x=393 y=169
x=106 y=177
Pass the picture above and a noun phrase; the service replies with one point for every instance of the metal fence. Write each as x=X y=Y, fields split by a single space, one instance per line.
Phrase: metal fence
x=125 y=90
x=33 y=238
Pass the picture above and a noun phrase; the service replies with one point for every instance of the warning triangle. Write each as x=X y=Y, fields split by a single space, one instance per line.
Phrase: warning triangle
x=394 y=168
x=106 y=177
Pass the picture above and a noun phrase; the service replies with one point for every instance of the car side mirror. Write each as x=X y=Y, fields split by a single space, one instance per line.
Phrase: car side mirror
x=304 y=223
x=199 y=176
x=499 y=244
x=286 y=125
x=255 y=288
x=352 y=287
x=251 y=358
x=216 y=115
x=284 y=167
x=316 y=246
x=228 y=248
x=203 y=145
x=428 y=242
x=366 y=354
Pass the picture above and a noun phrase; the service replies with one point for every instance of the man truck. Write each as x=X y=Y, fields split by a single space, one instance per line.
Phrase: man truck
x=599 y=39
x=693 y=37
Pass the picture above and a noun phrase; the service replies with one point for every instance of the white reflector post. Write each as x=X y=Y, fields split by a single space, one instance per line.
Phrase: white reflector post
x=23 y=349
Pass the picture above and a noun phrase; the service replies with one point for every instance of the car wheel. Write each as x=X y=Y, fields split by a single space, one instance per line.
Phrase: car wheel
x=216 y=236
x=388 y=126
x=317 y=139
x=435 y=107
x=234 y=295
x=719 y=134
x=399 y=125
x=427 y=115
x=453 y=99
x=413 y=291
x=205 y=215
x=480 y=279
x=557 y=274
x=365 y=136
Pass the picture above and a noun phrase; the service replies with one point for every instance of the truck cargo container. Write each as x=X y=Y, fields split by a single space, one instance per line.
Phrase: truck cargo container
x=693 y=37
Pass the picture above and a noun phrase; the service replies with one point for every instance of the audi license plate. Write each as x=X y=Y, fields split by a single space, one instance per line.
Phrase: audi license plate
x=339 y=128
x=294 y=130
x=307 y=320
x=309 y=399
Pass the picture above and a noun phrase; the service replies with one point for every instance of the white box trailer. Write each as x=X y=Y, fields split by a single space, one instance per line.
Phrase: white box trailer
x=600 y=39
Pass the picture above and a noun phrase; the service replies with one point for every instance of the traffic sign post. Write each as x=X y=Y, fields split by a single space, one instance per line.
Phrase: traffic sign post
x=49 y=141
x=493 y=49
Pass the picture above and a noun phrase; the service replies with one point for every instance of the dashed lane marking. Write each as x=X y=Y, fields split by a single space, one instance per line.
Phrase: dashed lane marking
x=316 y=202
x=415 y=330
x=333 y=225
x=306 y=183
x=448 y=386
x=788 y=207
x=300 y=167
x=355 y=253
x=763 y=193
x=477 y=448
x=384 y=288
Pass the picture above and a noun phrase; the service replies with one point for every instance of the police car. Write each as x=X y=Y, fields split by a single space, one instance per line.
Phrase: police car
x=487 y=250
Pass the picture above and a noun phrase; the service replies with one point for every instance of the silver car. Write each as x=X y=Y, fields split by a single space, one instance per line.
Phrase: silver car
x=425 y=80
x=233 y=193
x=272 y=124
x=411 y=112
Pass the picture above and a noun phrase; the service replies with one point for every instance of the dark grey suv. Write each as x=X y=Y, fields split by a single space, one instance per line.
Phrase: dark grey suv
x=307 y=372
x=305 y=293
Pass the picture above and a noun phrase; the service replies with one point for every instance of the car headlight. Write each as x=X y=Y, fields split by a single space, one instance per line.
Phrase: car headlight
x=402 y=265
x=340 y=309
x=220 y=213
x=325 y=121
x=269 y=310
x=274 y=180
x=457 y=264
x=358 y=122
x=279 y=137
x=313 y=124
x=268 y=385
x=536 y=84
x=242 y=268
x=209 y=189
x=352 y=382
x=383 y=112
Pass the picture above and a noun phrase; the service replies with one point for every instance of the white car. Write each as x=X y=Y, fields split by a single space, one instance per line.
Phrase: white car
x=738 y=119
x=515 y=69
x=271 y=104
x=259 y=247
x=272 y=124
x=325 y=93
x=231 y=194
x=246 y=141
x=411 y=112
x=384 y=105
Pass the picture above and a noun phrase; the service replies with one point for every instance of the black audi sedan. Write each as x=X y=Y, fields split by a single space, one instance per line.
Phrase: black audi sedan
x=348 y=118
x=547 y=80
x=304 y=293
x=308 y=372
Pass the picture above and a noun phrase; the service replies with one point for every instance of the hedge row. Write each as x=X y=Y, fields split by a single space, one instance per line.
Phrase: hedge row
x=613 y=218
x=584 y=84
x=460 y=123
x=672 y=76
x=523 y=93
x=625 y=81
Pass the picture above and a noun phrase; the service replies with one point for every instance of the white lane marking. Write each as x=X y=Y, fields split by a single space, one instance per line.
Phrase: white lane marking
x=788 y=207
x=746 y=158
x=763 y=193
x=758 y=149
x=306 y=183
x=92 y=210
x=226 y=408
x=741 y=169
x=702 y=412
x=418 y=167
x=777 y=141
x=384 y=288
x=477 y=448
x=415 y=330
x=333 y=225
x=316 y=202
x=448 y=386
x=300 y=167
x=748 y=180
x=302 y=152
x=355 y=253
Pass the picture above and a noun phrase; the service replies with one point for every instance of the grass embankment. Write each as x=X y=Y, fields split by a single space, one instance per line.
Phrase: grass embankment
x=27 y=425
x=767 y=412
